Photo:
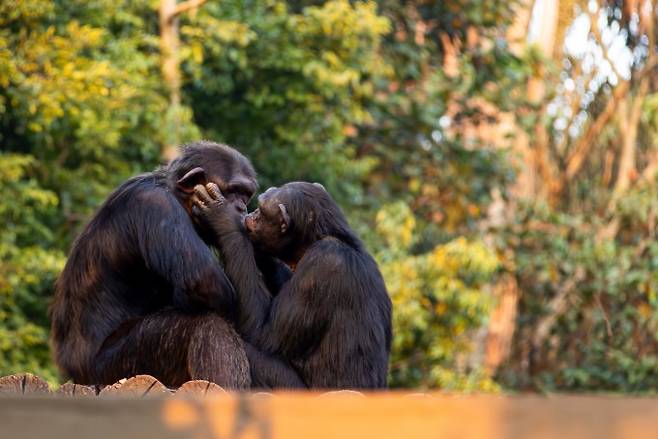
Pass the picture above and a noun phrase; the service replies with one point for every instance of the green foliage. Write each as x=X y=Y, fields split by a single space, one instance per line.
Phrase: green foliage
x=288 y=88
x=27 y=270
x=420 y=113
x=437 y=268
x=606 y=337
x=85 y=102
x=439 y=299
x=80 y=109
x=585 y=260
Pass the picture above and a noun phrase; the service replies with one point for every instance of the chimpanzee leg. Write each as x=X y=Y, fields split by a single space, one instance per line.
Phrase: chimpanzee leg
x=175 y=348
x=271 y=371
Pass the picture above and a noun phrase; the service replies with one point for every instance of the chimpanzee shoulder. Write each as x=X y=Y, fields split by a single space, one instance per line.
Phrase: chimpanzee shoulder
x=142 y=201
x=337 y=269
x=329 y=253
x=148 y=188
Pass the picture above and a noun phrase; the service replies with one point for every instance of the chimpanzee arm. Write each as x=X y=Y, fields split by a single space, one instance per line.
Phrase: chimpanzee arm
x=172 y=248
x=275 y=273
x=254 y=298
x=269 y=371
x=301 y=313
x=298 y=316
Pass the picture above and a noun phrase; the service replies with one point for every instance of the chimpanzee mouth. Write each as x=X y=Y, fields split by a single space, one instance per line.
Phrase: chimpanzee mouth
x=248 y=223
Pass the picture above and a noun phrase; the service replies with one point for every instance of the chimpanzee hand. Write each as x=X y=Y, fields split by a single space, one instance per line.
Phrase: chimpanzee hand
x=213 y=209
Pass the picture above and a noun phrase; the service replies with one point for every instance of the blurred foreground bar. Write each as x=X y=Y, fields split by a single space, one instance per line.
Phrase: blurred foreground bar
x=336 y=415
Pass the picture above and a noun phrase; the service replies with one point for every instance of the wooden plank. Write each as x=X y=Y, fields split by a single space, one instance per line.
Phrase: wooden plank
x=400 y=415
x=338 y=415
x=98 y=418
x=343 y=393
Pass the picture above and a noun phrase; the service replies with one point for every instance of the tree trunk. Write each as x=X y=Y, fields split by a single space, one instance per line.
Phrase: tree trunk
x=536 y=23
x=630 y=110
x=170 y=72
x=543 y=29
x=502 y=323
x=169 y=44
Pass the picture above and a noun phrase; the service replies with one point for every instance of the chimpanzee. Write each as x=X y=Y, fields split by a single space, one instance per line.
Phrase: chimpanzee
x=142 y=293
x=331 y=322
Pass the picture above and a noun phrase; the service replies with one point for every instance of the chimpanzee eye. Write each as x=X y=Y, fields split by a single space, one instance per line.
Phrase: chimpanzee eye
x=264 y=212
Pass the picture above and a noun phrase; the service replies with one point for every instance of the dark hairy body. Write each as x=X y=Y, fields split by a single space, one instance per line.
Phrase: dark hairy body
x=142 y=292
x=329 y=325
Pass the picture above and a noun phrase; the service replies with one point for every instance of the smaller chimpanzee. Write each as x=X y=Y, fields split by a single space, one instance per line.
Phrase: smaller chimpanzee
x=331 y=321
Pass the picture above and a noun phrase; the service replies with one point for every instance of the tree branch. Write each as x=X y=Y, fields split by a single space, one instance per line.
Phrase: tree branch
x=576 y=102
x=181 y=8
x=651 y=169
x=599 y=39
x=556 y=307
x=631 y=119
x=582 y=147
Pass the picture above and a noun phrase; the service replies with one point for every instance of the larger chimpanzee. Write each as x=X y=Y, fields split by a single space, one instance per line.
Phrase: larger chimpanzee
x=142 y=293
x=332 y=320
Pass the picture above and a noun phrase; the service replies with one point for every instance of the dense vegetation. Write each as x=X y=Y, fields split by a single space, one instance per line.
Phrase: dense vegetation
x=500 y=165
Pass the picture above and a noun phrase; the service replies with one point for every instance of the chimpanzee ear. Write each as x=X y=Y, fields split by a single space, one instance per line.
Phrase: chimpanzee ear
x=320 y=186
x=191 y=179
x=285 y=223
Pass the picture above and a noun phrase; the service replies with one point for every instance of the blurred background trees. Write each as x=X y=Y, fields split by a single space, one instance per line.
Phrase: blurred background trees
x=499 y=158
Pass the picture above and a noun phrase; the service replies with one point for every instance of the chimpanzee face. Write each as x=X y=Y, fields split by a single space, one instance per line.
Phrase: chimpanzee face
x=209 y=162
x=237 y=190
x=267 y=225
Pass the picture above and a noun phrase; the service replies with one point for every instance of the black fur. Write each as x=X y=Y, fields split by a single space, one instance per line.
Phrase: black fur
x=330 y=324
x=142 y=292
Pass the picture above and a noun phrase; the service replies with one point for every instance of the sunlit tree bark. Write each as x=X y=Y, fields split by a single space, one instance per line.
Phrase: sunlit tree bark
x=169 y=46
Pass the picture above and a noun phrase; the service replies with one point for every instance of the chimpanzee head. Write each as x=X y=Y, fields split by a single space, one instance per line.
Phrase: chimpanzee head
x=208 y=162
x=291 y=218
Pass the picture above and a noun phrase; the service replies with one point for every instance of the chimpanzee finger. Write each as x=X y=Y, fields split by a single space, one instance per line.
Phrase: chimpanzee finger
x=215 y=192
x=202 y=194
x=197 y=204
